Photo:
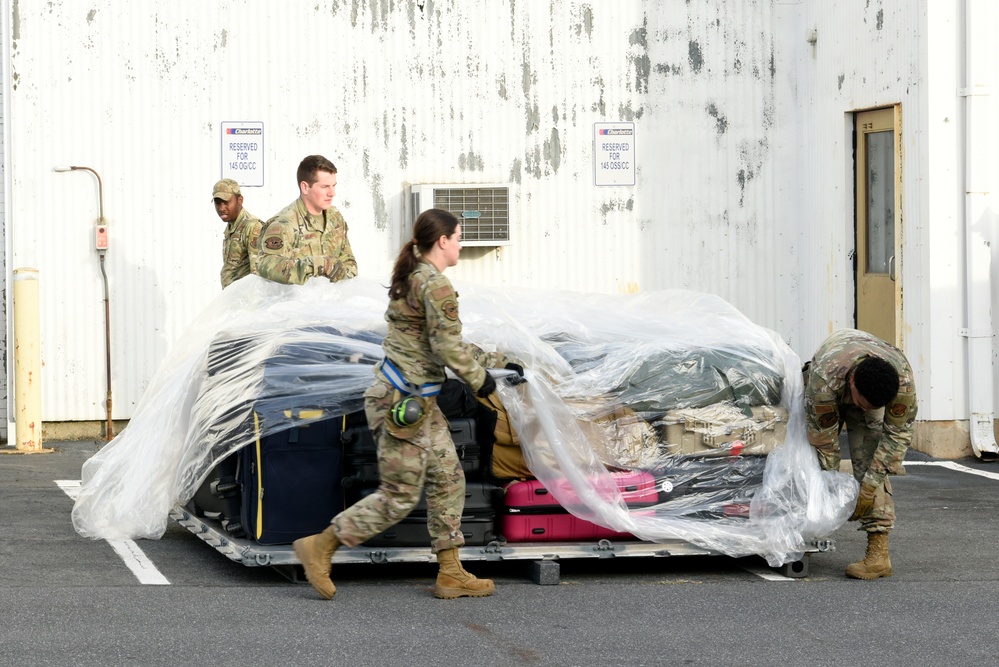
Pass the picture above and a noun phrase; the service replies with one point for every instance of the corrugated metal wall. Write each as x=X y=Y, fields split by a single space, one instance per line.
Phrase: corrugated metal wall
x=742 y=141
x=394 y=93
x=7 y=331
x=874 y=53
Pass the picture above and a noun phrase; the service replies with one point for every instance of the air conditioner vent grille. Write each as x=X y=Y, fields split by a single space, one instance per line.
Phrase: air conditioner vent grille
x=484 y=212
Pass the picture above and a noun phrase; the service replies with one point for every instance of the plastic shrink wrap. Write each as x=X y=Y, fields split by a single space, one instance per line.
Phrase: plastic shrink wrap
x=674 y=382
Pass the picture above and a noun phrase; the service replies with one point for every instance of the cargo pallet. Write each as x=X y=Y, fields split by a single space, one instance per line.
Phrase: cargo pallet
x=542 y=556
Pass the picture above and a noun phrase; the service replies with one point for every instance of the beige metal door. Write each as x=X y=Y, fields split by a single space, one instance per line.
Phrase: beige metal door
x=878 y=158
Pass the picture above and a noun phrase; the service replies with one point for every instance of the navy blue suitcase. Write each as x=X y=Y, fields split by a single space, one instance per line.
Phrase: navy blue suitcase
x=292 y=481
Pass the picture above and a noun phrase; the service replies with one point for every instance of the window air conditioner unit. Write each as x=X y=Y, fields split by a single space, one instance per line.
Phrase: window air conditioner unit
x=483 y=209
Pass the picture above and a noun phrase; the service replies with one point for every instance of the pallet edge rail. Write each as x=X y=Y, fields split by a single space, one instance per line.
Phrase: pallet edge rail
x=543 y=557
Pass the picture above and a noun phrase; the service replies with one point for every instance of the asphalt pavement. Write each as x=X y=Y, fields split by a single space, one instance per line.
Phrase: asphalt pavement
x=66 y=600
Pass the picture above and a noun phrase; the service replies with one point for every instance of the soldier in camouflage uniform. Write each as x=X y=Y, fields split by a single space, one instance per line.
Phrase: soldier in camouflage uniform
x=308 y=237
x=424 y=337
x=239 y=247
x=861 y=381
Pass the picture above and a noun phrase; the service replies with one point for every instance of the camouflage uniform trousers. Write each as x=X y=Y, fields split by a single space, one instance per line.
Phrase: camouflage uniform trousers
x=863 y=432
x=405 y=466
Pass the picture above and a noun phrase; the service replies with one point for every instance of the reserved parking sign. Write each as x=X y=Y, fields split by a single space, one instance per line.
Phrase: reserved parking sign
x=613 y=153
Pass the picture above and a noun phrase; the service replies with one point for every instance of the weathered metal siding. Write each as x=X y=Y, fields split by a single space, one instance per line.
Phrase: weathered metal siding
x=851 y=55
x=873 y=53
x=744 y=180
x=864 y=55
x=395 y=93
x=6 y=338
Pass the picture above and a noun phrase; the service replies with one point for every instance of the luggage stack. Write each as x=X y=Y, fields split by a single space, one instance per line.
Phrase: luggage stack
x=287 y=482
x=292 y=471
x=714 y=457
x=308 y=460
x=531 y=513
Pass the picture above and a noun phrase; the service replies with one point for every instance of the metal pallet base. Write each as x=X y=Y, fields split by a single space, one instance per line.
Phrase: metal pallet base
x=543 y=556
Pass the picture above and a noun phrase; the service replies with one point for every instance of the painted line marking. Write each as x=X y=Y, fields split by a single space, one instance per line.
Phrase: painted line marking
x=766 y=573
x=953 y=466
x=129 y=552
x=770 y=575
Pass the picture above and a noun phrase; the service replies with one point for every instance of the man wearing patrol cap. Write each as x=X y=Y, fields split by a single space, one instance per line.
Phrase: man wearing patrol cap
x=861 y=381
x=308 y=238
x=239 y=247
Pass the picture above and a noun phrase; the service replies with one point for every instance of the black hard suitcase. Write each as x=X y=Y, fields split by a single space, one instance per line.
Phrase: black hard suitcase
x=477 y=520
x=735 y=476
x=220 y=497
x=292 y=481
x=708 y=487
x=361 y=454
x=479 y=497
x=467 y=446
x=477 y=529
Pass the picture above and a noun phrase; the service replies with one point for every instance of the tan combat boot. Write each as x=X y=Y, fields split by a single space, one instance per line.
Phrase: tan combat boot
x=454 y=582
x=315 y=552
x=876 y=563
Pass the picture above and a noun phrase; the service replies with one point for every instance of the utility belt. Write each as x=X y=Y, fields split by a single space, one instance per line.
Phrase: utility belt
x=409 y=405
x=398 y=380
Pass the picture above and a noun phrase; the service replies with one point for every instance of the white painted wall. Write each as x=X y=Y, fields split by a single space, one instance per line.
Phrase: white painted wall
x=871 y=53
x=6 y=359
x=744 y=183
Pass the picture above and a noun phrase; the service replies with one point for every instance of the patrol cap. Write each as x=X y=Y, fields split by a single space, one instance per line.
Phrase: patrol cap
x=225 y=189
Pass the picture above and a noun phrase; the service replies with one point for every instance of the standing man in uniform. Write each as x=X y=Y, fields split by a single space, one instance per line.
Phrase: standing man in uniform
x=242 y=229
x=863 y=382
x=308 y=237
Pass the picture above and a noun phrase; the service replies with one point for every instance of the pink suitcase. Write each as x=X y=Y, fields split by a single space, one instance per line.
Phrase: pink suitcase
x=638 y=487
x=533 y=515
x=562 y=527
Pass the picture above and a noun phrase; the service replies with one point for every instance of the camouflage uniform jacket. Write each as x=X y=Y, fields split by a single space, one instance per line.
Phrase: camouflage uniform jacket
x=424 y=333
x=239 y=247
x=295 y=246
x=827 y=395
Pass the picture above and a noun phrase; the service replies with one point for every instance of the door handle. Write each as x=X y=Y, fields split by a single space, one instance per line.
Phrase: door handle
x=891 y=268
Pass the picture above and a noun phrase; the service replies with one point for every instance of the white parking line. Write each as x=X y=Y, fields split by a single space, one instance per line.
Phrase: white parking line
x=770 y=575
x=953 y=466
x=129 y=552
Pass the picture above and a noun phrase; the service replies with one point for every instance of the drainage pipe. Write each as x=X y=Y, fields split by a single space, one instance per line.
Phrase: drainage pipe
x=979 y=176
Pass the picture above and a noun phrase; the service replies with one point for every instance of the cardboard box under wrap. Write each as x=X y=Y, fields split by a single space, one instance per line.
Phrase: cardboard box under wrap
x=725 y=429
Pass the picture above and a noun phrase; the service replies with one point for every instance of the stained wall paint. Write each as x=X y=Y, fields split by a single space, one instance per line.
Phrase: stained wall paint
x=742 y=134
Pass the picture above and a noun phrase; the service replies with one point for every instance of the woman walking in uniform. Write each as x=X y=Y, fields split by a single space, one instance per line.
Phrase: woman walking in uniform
x=415 y=449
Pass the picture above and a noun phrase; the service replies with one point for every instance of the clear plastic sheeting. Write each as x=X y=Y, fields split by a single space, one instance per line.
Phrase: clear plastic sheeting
x=260 y=350
x=677 y=384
